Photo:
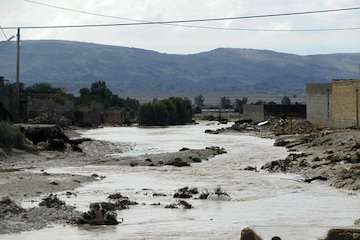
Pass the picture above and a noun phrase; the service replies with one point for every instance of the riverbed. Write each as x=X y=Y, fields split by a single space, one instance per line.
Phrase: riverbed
x=272 y=204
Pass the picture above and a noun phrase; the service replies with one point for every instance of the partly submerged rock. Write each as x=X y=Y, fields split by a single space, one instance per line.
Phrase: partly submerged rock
x=180 y=204
x=178 y=162
x=186 y=192
x=343 y=234
x=51 y=201
x=8 y=206
x=99 y=214
x=249 y=234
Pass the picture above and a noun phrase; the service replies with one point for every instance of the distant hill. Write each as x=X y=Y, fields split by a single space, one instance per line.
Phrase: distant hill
x=138 y=72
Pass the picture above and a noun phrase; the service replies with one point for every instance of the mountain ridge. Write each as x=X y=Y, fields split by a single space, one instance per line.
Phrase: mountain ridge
x=134 y=71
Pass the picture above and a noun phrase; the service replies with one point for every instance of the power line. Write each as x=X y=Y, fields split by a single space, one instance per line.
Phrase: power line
x=3 y=33
x=193 y=26
x=185 y=21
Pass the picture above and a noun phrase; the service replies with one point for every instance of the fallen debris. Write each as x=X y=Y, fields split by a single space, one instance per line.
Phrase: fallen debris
x=180 y=204
x=310 y=180
x=99 y=214
x=186 y=192
x=178 y=162
x=7 y=206
x=51 y=201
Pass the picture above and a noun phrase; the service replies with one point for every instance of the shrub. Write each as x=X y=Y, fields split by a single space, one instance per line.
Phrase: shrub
x=11 y=136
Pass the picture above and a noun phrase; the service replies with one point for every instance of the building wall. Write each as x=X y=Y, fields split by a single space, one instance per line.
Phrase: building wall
x=318 y=103
x=225 y=113
x=346 y=106
x=254 y=112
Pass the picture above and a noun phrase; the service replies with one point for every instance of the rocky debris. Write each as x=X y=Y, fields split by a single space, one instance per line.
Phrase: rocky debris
x=196 y=159
x=320 y=178
x=217 y=194
x=281 y=142
x=178 y=162
x=99 y=214
x=159 y=195
x=116 y=196
x=294 y=126
x=186 y=192
x=249 y=234
x=204 y=195
x=343 y=234
x=121 y=202
x=7 y=206
x=327 y=155
x=54 y=183
x=184 y=149
x=250 y=168
x=217 y=131
x=134 y=164
x=51 y=201
x=221 y=194
x=16 y=219
x=51 y=137
x=43 y=133
x=244 y=120
x=180 y=204
x=217 y=150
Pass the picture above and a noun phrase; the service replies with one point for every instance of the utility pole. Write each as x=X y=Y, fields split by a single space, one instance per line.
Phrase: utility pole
x=17 y=87
x=18 y=59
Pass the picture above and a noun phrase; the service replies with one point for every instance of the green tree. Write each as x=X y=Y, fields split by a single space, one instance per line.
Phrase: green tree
x=285 y=100
x=225 y=103
x=239 y=103
x=199 y=101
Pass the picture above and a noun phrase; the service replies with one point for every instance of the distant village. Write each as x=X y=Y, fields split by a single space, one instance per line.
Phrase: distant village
x=334 y=104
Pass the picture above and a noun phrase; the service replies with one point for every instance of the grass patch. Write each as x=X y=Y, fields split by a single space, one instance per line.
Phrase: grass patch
x=11 y=136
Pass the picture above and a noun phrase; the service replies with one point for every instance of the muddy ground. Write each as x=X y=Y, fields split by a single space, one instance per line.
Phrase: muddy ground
x=328 y=155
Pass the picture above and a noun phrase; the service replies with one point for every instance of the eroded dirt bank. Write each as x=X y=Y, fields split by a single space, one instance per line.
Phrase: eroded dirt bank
x=328 y=155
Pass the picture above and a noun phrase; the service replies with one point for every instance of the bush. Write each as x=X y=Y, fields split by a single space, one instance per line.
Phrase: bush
x=11 y=136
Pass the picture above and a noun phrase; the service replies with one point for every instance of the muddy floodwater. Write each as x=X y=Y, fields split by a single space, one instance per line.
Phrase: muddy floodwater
x=272 y=204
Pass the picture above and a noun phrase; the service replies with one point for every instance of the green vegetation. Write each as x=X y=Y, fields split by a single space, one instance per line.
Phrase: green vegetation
x=285 y=100
x=11 y=136
x=225 y=103
x=58 y=95
x=171 y=111
x=100 y=93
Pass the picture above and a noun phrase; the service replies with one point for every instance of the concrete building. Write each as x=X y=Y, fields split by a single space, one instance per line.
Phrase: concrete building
x=335 y=105
x=318 y=101
x=259 y=113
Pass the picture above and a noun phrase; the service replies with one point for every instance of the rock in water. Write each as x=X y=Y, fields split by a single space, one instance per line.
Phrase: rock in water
x=343 y=234
x=51 y=201
x=7 y=206
x=249 y=234
x=99 y=214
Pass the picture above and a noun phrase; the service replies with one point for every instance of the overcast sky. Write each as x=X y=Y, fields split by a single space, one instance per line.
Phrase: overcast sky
x=172 y=39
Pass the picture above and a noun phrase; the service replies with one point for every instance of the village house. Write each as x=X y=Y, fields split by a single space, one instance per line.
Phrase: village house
x=334 y=104
x=262 y=112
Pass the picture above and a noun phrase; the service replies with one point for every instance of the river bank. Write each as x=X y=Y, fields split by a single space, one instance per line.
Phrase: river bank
x=268 y=202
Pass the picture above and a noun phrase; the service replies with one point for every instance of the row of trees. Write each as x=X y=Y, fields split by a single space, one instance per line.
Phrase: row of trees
x=171 y=111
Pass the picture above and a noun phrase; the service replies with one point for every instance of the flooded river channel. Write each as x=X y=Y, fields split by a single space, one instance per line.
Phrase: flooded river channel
x=272 y=204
